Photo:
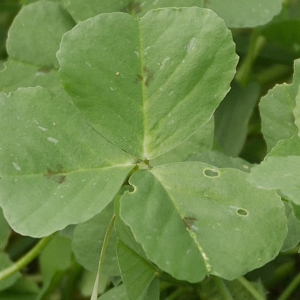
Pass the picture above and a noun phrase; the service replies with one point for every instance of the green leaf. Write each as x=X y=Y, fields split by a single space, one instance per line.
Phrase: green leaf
x=56 y=170
x=52 y=269
x=82 y=10
x=245 y=13
x=201 y=140
x=279 y=170
x=4 y=230
x=184 y=213
x=232 y=117
x=118 y=292
x=23 y=289
x=297 y=111
x=131 y=265
x=276 y=33
x=141 y=95
x=32 y=43
x=219 y=289
x=276 y=110
x=5 y=263
x=60 y=248
x=220 y=160
x=87 y=283
x=88 y=241
x=293 y=236
x=235 y=14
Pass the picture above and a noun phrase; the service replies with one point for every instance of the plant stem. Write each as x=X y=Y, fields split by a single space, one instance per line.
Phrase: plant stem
x=103 y=250
x=222 y=289
x=290 y=289
x=250 y=288
x=256 y=44
x=180 y=292
x=26 y=259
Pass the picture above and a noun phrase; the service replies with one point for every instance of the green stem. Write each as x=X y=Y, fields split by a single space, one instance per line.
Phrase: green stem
x=180 y=292
x=256 y=44
x=273 y=74
x=223 y=289
x=103 y=250
x=290 y=289
x=26 y=259
x=250 y=288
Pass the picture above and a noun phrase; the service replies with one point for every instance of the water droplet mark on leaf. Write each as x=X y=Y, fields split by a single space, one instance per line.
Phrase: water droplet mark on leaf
x=17 y=167
x=190 y=45
x=52 y=140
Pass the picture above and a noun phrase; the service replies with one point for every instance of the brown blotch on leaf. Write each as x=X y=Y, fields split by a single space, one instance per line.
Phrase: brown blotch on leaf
x=45 y=69
x=146 y=77
x=132 y=8
x=139 y=78
x=189 y=221
x=56 y=175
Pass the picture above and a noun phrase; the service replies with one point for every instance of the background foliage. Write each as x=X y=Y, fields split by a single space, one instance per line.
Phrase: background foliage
x=235 y=162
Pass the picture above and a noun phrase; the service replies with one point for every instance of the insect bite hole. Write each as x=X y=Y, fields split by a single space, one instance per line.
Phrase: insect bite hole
x=242 y=212
x=211 y=173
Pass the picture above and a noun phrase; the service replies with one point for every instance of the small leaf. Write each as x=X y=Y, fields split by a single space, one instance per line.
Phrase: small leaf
x=232 y=117
x=56 y=170
x=5 y=263
x=32 y=43
x=88 y=241
x=244 y=13
x=279 y=170
x=82 y=10
x=293 y=236
x=149 y=88
x=132 y=264
x=192 y=210
x=4 y=230
x=236 y=14
x=276 y=110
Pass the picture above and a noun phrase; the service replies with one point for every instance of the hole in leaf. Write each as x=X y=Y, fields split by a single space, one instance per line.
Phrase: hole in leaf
x=242 y=212
x=211 y=173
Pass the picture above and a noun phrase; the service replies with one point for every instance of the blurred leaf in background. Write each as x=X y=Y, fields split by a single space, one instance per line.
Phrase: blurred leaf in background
x=8 y=10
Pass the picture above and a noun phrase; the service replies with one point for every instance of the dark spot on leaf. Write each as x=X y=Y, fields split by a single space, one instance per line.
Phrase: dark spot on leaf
x=147 y=76
x=149 y=79
x=189 y=221
x=139 y=78
x=45 y=69
x=56 y=175
x=132 y=8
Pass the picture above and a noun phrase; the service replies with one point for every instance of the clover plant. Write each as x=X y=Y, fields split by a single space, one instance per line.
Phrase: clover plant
x=121 y=126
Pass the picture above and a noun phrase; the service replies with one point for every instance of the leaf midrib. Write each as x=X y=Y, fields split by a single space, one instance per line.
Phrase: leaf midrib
x=66 y=173
x=144 y=92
